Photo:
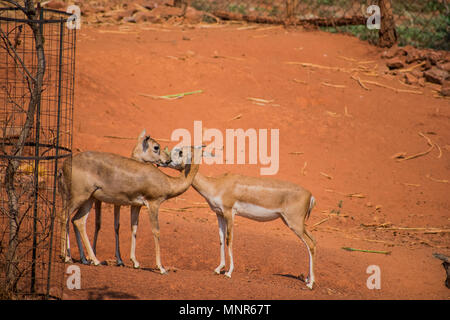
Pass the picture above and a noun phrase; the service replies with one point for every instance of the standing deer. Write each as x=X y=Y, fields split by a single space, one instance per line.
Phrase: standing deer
x=257 y=198
x=110 y=178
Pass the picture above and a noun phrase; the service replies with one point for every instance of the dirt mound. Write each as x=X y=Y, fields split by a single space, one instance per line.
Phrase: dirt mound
x=129 y=11
x=415 y=66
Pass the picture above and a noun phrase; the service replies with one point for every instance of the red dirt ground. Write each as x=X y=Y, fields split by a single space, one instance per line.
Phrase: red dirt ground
x=231 y=63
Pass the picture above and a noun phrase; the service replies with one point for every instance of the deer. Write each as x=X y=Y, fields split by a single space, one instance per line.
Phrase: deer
x=146 y=150
x=99 y=176
x=256 y=198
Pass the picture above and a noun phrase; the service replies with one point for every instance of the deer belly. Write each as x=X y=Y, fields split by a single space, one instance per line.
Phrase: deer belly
x=255 y=212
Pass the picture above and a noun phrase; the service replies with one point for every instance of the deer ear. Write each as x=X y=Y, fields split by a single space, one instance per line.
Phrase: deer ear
x=142 y=135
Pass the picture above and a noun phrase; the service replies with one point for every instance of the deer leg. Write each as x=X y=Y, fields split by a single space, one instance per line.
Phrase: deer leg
x=222 y=229
x=153 y=214
x=229 y=219
x=80 y=243
x=116 y=231
x=296 y=222
x=98 y=223
x=79 y=221
x=134 y=224
x=312 y=251
x=64 y=236
x=74 y=205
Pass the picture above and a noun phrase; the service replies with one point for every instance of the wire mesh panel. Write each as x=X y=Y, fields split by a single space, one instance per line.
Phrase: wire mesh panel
x=37 y=59
x=423 y=23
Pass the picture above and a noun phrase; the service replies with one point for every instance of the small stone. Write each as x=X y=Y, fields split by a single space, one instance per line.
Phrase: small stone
x=417 y=73
x=433 y=57
x=421 y=82
x=57 y=5
x=410 y=79
x=395 y=63
x=129 y=19
x=445 y=90
x=436 y=75
x=148 y=17
x=119 y=16
x=390 y=53
x=444 y=66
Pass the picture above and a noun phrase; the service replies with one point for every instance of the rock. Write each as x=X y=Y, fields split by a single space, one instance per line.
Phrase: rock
x=120 y=15
x=436 y=75
x=417 y=73
x=149 y=5
x=55 y=4
x=193 y=16
x=403 y=51
x=427 y=65
x=445 y=90
x=444 y=66
x=99 y=9
x=86 y=9
x=421 y=82
x=130 y=19
x=433 y=57
x=410 y=79
x=149 y=16
x=413 y=56
x=395 y=63
x=390 y=53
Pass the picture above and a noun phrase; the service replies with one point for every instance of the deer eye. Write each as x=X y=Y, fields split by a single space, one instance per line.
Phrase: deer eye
x=156 y=148
x=180 y=154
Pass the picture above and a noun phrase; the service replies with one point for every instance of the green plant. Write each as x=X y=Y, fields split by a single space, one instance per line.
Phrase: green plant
x=238 y=8
x=339 y=205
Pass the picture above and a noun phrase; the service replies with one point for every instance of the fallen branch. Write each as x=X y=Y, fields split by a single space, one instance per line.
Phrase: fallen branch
x=326 y=175
x=377 y=225
x=391 y=88
x=367 y=251
x=333 y=85
x=296 y=153
x=171 y=96
x=117 y=137
x=360 y=82
x=411 y=184
x=411 y=68
x=436 y=180
x=355 y=195
x=300 y=81
x=260 y=100
x=319 y=22
x=350 y=195
x=236 y=117
x=320 y=222
x=346 y=113
x=303 y=169
x=420 y=154
x=417 y=229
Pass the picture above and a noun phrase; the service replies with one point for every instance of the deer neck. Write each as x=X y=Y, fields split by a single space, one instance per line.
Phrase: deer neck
x=181 y=183
x=204 y=185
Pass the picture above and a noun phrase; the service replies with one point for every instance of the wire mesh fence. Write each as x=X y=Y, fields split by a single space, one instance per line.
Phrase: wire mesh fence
x=37 y=59
x=421 y=23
